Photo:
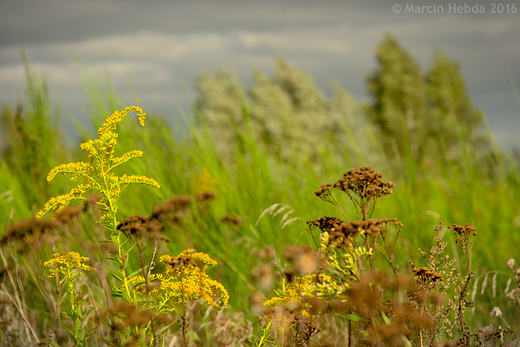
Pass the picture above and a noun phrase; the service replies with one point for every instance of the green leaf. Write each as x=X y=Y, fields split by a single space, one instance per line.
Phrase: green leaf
x=87 y=336
x=117 y=276
x=385 y=318
x=352 y=317
x=114 y=259
x=407 y=342
x=68 y=330
x=134 y=273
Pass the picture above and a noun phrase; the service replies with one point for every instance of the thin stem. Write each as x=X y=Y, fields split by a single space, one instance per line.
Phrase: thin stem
x=18 y=304
x=463 y=294
x=333 y=201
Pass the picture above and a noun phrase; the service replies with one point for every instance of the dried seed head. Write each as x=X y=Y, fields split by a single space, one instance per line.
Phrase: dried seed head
x=232 y=219
x=511 y=264
x=205 y=196
x=365 y=183
x=32 y=233
x=140 y=227
x=425 y=275
x=495 y=312
x=463 y=233
x=172 y=209
x=341 y=233
x=266 y=252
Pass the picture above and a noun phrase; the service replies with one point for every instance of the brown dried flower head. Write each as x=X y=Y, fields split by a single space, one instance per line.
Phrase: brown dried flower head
x=232 y=219
x=426 y=275
x=205 y=196
x=324 y=191
x=32 y=233
x=342 y=233
x=172 y=209
x=140 y=226
x=463 y=233
x=365 y=183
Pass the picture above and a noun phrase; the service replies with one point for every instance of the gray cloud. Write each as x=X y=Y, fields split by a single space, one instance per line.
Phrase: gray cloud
x=162 y=45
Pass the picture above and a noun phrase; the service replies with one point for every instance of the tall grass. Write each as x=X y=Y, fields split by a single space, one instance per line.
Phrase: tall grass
x=251 y=181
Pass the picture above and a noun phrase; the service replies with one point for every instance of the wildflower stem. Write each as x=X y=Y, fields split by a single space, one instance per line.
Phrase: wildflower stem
x=335 y=203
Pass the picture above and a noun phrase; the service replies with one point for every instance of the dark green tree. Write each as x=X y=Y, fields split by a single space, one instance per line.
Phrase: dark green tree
x=455 y=121
x=399 y=109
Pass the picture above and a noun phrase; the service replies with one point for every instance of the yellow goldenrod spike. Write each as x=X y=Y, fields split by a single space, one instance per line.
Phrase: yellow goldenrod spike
x=63 y=264
x=98 y=170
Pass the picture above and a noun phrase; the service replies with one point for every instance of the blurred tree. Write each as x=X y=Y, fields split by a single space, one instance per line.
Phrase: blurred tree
x=399 y=110
x=288 y=115
x=219 y=107
x=455 y=121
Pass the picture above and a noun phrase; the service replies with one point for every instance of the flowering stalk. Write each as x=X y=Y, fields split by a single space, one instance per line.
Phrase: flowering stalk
x=98 y=172
x=64 y=265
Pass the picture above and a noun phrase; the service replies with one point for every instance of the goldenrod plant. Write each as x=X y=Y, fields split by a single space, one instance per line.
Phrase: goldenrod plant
x=65 y=268
x=142 y=321
x=100 y=178
x=183 y=283
x=98 y=171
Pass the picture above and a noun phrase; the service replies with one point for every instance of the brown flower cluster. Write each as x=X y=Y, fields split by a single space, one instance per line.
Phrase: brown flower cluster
x=463 y=233
x=303 y=330
x=183 y=260
x=341 y=233
x=172 y=209
x=232 y=219
x=31 y=232
x=365 y=183
x=425 y=275
x=139 y=226
x=205 y=196
x=326 y=223
x=324 y=190
x=36 y=232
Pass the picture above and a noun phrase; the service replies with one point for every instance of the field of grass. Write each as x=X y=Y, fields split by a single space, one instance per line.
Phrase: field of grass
x=273 y=198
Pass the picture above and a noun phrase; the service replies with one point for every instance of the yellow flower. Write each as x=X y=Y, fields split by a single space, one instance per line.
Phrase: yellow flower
x=293 y=294
x=64 y=265
x=183 y=280
x=98 y=170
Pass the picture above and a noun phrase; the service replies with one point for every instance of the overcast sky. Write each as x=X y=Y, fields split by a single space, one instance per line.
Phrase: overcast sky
x=159 y=47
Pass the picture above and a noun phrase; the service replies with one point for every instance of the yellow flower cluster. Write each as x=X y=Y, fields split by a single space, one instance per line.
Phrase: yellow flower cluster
x=60 y=202
x=116 y=117
x=293 y=294
x=344 y=259
x=183 y=280
x=98 y=170
x=353 y=253
x=64 y=264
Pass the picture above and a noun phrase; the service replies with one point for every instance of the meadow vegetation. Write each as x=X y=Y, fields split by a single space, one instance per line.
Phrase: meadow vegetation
x=266 y=223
